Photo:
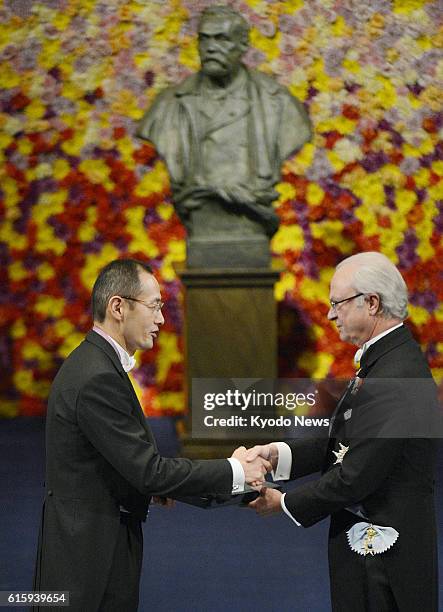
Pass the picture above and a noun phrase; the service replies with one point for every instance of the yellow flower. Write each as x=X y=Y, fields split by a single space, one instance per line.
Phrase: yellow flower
x=168 y=354
x=405 y=200
x=49 y=204
x=125 y=147
x=17 y=271
x=341 y=124
x=8 y=78
x=432 y=96
x=291 y=6
x=45 y=271
x=288 y=238
x=87 y=231
x=317 y=364
x=331 y=233
x=32 y=350
x=171 y=400
x=437 y=167
x=74 y=146
x=47 y=241
x=135 y=226
x=438 y=313
x=50 y=54
x=25 y=146
x=61 y=20
x=13 y=239
x=314 y=290
x=386 y=95
x=305 y=156
x=10 y=191
x=314 y=194
x=286 y=191
x=336 y=162
x=418 y=314
x=176 y=253
x=269 y=46
x=70 y=343
x=165 y=210
x=189 y=55
x=96 y=170
x=95 y=262
x=8 y=409
x=154 y=181
x=407 y=6
x=18 y=329
x=49 y=306
x=60 y=169
x=23 y=381
x=340 y=28
x=425 y=230
x=63 y=328
x=285 y=285
x=375 y=25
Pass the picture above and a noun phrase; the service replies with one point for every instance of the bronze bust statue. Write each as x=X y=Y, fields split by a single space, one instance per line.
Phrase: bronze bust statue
x=224 y=133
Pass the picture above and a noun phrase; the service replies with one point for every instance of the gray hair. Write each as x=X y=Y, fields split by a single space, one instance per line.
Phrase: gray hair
x=240 y=26
x=119 y=277
x=375 y=273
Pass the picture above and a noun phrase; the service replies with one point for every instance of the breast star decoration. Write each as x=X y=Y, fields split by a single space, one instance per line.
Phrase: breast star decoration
x=340 y=453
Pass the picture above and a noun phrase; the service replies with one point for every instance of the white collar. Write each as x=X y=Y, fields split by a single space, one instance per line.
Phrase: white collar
x=128 y=361
x=358 y=355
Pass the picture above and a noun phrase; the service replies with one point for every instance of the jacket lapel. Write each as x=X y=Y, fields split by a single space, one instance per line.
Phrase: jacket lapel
x=381 y=347
x=104 y=345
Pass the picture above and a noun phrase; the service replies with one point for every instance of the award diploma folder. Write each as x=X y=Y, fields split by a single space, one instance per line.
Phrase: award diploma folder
x=242 y=498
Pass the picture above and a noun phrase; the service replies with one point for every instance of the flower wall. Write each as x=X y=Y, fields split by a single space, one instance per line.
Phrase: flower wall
x=77 y=188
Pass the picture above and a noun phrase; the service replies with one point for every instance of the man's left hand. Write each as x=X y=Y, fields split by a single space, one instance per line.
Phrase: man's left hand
x=269 y=502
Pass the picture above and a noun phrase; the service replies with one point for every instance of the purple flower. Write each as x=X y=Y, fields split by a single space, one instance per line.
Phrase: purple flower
x=390 y=196
x=406 y=252
x=374 y=161
x=145 y=374
x=320 y=167
x=334 y=57
x=425 y=299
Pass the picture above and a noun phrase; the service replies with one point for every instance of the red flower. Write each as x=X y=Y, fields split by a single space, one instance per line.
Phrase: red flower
x=19 y=101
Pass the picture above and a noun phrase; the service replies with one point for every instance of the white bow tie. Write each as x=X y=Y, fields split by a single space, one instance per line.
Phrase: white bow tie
x=128 y=362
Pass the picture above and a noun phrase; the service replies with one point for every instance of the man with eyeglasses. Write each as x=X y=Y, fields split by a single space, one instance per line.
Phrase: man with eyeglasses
x=102 y=463
x=377 y=467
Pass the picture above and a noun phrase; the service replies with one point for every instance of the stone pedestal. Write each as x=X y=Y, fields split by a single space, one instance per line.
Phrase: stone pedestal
x=230 y=332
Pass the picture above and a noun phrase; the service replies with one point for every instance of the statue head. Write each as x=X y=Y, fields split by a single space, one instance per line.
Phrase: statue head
x=223 y=36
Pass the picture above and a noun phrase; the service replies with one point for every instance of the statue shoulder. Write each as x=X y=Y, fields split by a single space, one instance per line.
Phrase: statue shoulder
x=187 y=86
x=268 y=83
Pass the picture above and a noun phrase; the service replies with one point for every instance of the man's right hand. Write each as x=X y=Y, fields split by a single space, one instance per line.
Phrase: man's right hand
x=255 y=469
x=268 y=452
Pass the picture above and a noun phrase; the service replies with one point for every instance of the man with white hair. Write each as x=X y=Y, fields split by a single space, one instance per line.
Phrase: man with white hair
x=377 y=475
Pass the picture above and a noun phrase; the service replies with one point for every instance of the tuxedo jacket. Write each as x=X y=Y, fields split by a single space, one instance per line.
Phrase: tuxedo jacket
x=390 y=479
x=101 y=456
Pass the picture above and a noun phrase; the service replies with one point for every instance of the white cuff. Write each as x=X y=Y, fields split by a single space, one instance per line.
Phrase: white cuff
x=286 y=511
x=238 y=475
x=283 y=469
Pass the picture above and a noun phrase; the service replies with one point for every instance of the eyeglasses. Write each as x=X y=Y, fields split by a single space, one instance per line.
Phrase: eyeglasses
x=156 y=307
x=335 y=304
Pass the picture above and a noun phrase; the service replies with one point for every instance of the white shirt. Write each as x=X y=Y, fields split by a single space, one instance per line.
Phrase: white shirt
x=128 y=362
x=284 y=465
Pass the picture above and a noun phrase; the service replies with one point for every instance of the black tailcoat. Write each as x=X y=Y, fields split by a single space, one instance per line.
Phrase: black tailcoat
x=390 y=479
x=101 y=455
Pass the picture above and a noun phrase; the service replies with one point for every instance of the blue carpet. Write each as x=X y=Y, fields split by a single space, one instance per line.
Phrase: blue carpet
x=194 y=560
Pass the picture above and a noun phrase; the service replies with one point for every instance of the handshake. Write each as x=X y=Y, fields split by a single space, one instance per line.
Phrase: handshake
x=257 y=462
